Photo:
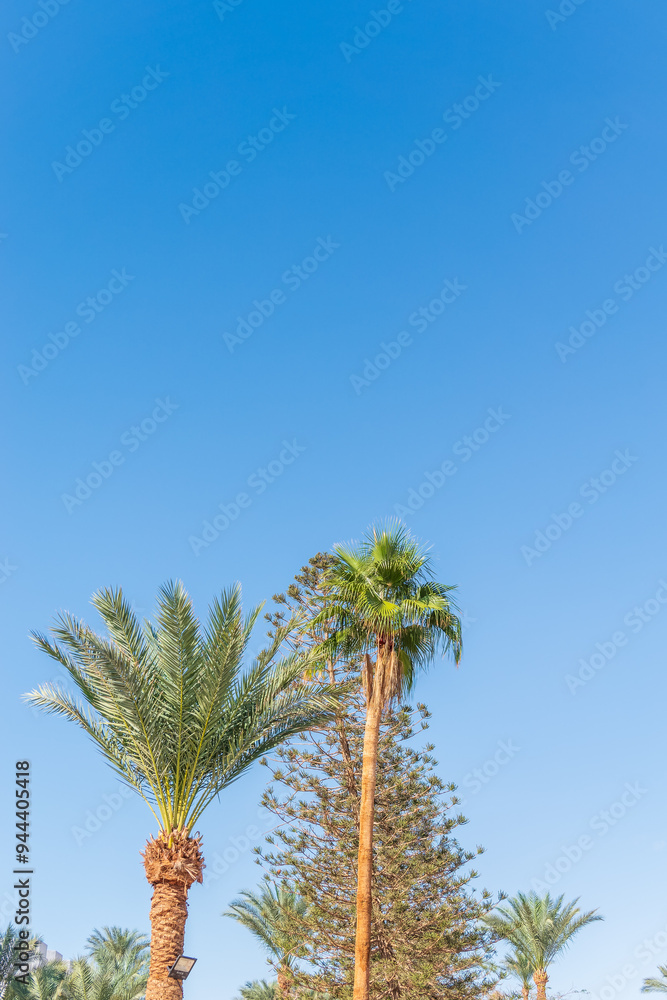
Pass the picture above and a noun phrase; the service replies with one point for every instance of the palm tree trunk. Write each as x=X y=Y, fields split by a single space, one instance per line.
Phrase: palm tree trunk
x=362 y=947
x=172 y=862
x=283 y=981
x=525 y=990
x=540 y=976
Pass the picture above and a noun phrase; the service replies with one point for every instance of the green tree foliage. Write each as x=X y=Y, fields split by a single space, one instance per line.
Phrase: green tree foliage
x=272 y=914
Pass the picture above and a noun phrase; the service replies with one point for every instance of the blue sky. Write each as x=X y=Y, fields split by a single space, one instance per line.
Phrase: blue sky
x=420 y=216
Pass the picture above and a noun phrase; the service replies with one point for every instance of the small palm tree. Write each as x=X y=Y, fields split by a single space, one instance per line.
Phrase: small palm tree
x=120 y=950
x=173 y=713
x=656 y=985
x=259 y=989
x=273 y=916
x=383 y=606
x=45 y=982
x=86 y=981
x=539 y=928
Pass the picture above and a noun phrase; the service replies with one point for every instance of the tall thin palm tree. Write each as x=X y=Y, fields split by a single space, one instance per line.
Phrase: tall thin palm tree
x=273 y=915
x=384 y=606
x=539 y=928
x=172 y=711
x=654 y=985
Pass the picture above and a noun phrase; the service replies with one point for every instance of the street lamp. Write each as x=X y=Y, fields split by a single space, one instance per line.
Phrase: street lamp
x=181 y=968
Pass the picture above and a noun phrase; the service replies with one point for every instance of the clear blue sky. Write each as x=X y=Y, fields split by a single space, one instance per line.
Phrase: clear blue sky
x=515 y=155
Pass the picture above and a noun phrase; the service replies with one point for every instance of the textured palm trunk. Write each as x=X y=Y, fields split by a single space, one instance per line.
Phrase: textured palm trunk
x=284 y=983
x=525 y=990
x=540 y=976
x=362 y=947
x=172 y=862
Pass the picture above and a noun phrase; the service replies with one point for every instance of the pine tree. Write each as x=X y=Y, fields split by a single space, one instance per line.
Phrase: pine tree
x=429 y=941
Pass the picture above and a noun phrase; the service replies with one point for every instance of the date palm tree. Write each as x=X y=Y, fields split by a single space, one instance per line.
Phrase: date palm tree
x=273 y=915
x=539 y=928
x=171 y=709
x=120 y=950
x=384 y=606
x=654 y=985
x=259 y=989
x=518 y=965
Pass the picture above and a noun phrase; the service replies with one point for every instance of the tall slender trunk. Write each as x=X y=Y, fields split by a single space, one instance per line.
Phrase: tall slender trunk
x=362 y=947
x=540 y=976
x=172 y=862
x=525 y=990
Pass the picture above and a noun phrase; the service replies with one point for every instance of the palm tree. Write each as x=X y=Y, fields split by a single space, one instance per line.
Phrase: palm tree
x=656 y=985
x=273 y=916
x=384 y=606
x=86 y=981
x=173 y=713
x=45 y=982
x=519 y=966
x=7 y=942
x=120 y=950
x=539 y=928
x=259 y=989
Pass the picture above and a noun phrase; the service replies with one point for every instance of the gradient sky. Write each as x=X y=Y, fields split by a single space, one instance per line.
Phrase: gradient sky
x=540 y=201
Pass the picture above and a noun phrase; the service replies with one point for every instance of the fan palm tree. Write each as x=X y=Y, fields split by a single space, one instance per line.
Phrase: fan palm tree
x=656 y=985
x=174 y=714
x=539 y=928
x=384 y=606
x=273 y=916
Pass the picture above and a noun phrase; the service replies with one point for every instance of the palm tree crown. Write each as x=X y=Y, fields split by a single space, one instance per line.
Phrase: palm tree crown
x=272 y=915
x=382 y=599
x=119 y=950
x=539 y=927
x=654 y=985
x=172 y=712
